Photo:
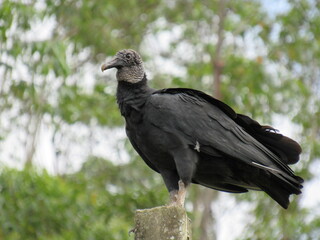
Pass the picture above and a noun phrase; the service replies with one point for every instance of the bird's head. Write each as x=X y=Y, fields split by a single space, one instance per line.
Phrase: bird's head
x=129 y=65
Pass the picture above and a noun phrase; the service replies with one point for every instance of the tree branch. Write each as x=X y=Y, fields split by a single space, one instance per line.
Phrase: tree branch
x=216 y=59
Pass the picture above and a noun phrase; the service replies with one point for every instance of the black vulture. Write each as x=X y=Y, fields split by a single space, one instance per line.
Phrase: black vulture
x=190 y=137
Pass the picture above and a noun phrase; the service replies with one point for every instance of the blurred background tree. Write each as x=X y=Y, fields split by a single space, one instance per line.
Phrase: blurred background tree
x=58 y=112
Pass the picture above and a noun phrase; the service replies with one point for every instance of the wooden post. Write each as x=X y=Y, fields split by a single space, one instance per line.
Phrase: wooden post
x=162 y=223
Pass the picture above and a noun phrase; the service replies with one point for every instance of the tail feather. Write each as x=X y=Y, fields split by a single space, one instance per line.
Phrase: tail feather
x=279 y=195
x=279 y=187
x=285 y=148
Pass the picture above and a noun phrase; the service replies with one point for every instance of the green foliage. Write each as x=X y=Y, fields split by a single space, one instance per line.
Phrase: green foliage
x=272 y=222
x=94 y=203
x=76 y=106
x=114 y=24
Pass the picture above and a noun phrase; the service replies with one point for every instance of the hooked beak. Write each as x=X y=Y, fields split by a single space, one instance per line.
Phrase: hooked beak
x=114 y=63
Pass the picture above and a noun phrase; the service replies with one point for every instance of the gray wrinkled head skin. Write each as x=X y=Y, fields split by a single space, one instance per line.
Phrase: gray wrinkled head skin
x=129 y=65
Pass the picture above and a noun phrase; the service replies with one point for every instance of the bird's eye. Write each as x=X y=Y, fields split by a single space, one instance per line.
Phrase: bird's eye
x=128 y=56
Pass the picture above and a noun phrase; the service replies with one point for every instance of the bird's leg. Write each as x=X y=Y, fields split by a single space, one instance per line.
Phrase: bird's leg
x=181 y=194
x=177 y=197
x=173 y=197
x=176 y=187
x=186 y=161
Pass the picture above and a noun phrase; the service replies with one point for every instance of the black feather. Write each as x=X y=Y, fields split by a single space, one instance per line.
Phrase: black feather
x=186 y=134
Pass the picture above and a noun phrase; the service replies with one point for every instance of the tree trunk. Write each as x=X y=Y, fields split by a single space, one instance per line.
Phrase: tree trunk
x=204 y=215
x=208 y=196
x=162 y=223
x=216 y=58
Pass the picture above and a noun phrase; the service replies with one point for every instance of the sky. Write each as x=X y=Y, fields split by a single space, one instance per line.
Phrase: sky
x=275 y=7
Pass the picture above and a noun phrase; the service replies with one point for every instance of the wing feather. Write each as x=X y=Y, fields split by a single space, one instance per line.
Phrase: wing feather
x=201 y=121
x=285 y=148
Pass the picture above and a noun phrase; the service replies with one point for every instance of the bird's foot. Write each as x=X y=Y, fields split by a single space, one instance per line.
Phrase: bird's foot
x=177 y=197
x=173 y=197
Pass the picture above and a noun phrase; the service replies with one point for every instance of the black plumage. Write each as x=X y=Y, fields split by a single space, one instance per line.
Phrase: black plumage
x=190 y=137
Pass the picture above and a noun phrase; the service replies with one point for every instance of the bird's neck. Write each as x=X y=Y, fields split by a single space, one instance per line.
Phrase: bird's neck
x=132 y=74
x=132 y=95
